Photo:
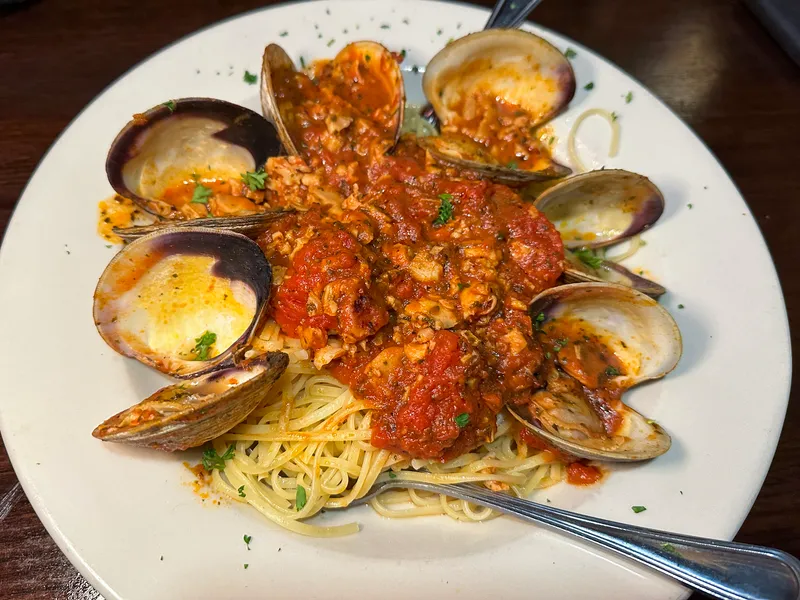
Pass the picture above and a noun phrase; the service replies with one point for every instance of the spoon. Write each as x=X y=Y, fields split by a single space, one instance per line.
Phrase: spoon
x=506 y=14
x=726 y=570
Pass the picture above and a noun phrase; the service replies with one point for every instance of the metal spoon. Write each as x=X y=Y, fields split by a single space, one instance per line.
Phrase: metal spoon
x=720 y=569
x=506 y=14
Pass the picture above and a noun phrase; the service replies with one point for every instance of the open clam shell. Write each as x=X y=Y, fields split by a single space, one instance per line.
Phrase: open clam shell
x=184 y=301
x=191 y=413
x=576 y=271
x=182 y=140
x=602 y=207
x=363 y=74
x=642 y=336
x=514 y=65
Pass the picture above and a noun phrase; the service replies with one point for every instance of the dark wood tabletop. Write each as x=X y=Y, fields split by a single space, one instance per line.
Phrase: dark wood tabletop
x=711 y=61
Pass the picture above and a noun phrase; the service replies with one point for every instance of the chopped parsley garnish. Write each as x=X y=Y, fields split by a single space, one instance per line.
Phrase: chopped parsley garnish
x=170 y=104
x=241 y=492
x=628 y=97
x=547 y=355
x=462 y=420
x=463 y=286
x=203 y=346
x=246 y=565
x=212 y=460
x=612 y=371
x=439 y=32
x=302 y=63
x=201 y=194
x=250 y=78
x=570 y=53
x=512 y=165
x=669 y=548
x=614 y=116
x=283 y=33
x=403 y=54
x=247 y=539
x=300 y=497
x=589 y=86
x=589 y=258
x=538 y=320
x=680 y=306
x=255 y=180
x=690 y=206
x=638 y=509
x=386 y=26
x=560 y=343
x=445 y=210
x=331 y=42
x=392 y=475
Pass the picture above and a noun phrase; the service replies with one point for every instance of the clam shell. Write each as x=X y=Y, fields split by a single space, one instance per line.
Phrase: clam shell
x=274 y=63
x=249 y=225
x=575 y=271
x=191 y=413
x=162 y=291
x=514 y=65
x=172 y=141
x=601 y=208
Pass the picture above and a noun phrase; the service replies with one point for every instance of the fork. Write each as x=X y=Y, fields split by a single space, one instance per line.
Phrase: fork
x=720 y=569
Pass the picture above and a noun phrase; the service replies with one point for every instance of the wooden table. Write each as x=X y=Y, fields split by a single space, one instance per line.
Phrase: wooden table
x=710 y=60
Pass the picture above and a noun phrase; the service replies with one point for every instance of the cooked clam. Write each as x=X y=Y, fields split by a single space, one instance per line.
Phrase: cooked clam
x=363 y=75
x=496 y=87
x=599 y=270
x=602 y=207
x=634 y=332
x=184 y=301
x=193 y=412
x=161 y=157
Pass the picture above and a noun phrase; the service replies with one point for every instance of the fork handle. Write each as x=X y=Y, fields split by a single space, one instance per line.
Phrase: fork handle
x=720 y=569
x=510 y=13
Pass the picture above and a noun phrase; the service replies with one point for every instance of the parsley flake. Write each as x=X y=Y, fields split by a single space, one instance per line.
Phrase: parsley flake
x=614 y=116
x=300 y=497
x=331 y=42
x=462 y=420
x=255 y=180
x=589 y=258
x=690 y=205
x=203 y=345
x=247 y=539
x=250 y=78
x=512 y=165
x=463 y=286
x=589 y=86
x=302 y=63
x=445 y=210
x=283 y=33
x=612 y=371
x=669 y=548
x=570 y=53
x=638 y=509
x=628 y=97
x=212 y=460
x=246 y=565
x=170 y=104
x=241 y=492
x=201 y=194
x=386 y=26
x=560 y=343
x=680 y=306
x=392 y=475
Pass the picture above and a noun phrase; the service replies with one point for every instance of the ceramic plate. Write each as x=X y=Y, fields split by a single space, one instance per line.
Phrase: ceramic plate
x=129 y=520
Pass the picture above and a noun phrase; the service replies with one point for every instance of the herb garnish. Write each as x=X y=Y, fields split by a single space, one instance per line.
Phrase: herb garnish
x=247 y=539
x=331 y=42
x=589 y=86
x=392 y=475
x=669 y=548
x=463 y=286
x=203 y=346
x=589 y=258
x=170 y=104
x=570 y=53
x=560 y=343
x=538 y=320
x=283 y=33
x=302 y=63
x=212 y=460
x=201 y=194
x=638 y=509
x=614 y=116
x=246 y=565
x=681 y=306
x=690 y=206
x=512 y=165
x=250 y=78
x=241 y=492
x=300 y=497
x=628 y=97
x=445 y=210
x=611 y=371
x=255 y=180
x=462 y=420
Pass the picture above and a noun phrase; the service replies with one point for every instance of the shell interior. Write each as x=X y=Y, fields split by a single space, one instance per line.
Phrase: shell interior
x=602 y=207
x=176 y=143
x=164 y=296
x=640 y=332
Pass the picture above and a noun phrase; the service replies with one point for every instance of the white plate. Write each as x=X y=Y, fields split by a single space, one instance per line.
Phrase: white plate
x=117 y=511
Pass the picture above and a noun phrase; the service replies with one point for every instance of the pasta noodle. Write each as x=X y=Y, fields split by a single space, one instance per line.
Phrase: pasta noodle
x=573 y=133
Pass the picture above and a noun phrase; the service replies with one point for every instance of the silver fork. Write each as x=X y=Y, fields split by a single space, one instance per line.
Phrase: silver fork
x=720 y=569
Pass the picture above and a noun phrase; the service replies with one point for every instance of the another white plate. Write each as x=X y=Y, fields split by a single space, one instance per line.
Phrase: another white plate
x=128 y=518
